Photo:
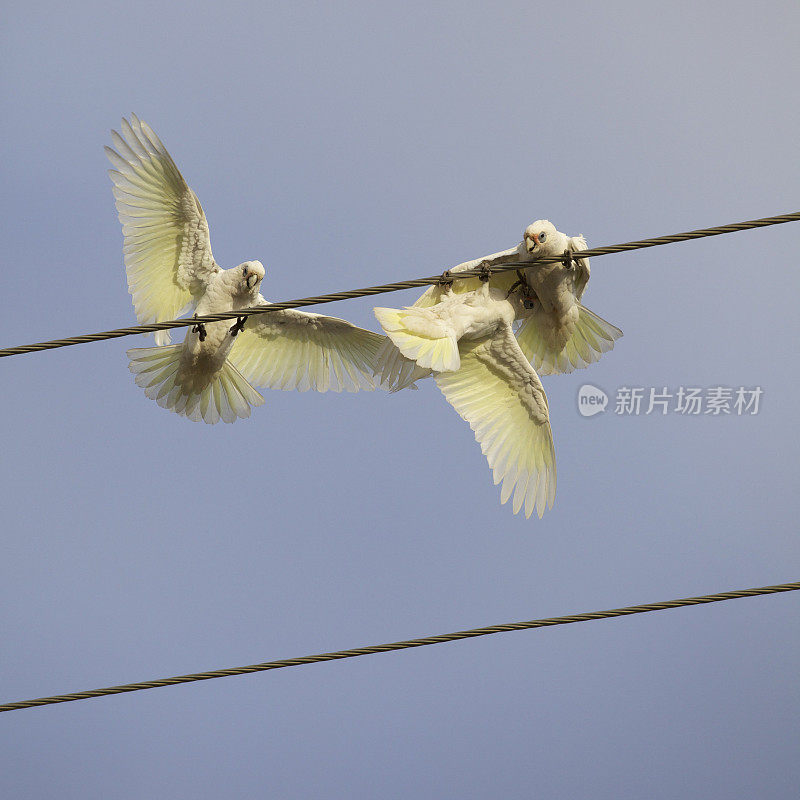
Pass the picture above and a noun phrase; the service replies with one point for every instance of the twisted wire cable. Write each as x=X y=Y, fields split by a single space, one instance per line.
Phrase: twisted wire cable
x=393 y=287
x=404 y=645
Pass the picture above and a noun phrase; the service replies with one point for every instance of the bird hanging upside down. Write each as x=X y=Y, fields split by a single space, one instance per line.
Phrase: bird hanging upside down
x=466 y=341
x=559 y=335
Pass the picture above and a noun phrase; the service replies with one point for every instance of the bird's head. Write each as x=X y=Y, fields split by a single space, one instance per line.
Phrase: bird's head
x=249 y=277
x=542 y=238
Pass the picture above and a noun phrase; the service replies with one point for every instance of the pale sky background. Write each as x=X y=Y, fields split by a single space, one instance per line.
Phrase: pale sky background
x=351 y=144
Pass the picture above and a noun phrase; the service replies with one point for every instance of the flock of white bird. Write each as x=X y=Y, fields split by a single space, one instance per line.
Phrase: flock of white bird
x=483 y=339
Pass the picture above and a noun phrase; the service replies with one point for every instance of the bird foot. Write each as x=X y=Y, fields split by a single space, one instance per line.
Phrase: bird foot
x=520 y=282
x=239 y=326
x=200 y=330
x=567 y=259
x=485 y=273
x=446 y=281
x=527 y=294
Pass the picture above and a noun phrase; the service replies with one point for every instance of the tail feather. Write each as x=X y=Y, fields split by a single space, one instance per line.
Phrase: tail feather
x=420 y=338
x=592 y=337
x=225 y=396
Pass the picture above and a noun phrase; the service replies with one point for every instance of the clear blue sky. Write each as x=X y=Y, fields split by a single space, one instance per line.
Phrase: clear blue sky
x=356 y=143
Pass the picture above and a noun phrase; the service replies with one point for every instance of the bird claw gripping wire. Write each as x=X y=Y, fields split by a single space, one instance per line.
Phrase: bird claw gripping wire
x=528 y=295
x=200 y=330
x=521 y=281
x=239 y=326
x=446 y=280
x=485 y=273
x=624 y=247
x=568 y=260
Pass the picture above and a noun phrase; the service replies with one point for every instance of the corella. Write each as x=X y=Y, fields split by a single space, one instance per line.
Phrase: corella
x=171 y=268
x=466 y=341
x=557 y=334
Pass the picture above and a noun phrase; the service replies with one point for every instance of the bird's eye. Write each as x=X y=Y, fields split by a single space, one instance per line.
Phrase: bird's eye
x=542 y=236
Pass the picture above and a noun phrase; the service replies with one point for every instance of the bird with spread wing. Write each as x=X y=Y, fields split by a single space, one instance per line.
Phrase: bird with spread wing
x=557 y=335
x=170 y=269
x=467 y=342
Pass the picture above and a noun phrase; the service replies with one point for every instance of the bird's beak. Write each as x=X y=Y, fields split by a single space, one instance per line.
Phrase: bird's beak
x=531 y=242
x=252 y=280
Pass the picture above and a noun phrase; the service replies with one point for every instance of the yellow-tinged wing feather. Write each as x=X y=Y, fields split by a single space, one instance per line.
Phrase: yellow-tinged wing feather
x=501 y=397
x=592 y=337
x=297 y=350
x=167 y=246
x=420 y=337
x=395 y=370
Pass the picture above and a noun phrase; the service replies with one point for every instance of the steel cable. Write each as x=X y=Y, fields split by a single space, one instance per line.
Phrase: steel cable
x=391 y=287
x=404 y=645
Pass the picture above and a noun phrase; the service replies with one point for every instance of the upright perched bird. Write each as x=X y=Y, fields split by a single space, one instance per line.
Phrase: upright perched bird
x=467 y=342
x=558 y=333
x=171 y=268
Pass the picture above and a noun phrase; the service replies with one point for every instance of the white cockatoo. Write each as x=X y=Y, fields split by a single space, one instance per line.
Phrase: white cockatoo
x=466 y=340
x=170 y=267
x=558 y=333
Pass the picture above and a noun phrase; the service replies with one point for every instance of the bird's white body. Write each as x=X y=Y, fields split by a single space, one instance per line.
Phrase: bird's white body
x=558 y=333
x=206 y=349
x=436 y=330
x=170 y=267
x=466 y=341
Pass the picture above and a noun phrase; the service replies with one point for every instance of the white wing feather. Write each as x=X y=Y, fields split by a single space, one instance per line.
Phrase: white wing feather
x=428 y=340
x=167 y=245
x=395 y=371
x=296 y=350
x=501 y=397
x=576 y=244
x=592 y=337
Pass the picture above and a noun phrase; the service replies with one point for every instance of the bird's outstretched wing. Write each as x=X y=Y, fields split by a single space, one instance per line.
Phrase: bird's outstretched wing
x=296 y=350
x=167 y=245
x=501 y=397
x=394 y=371
x=591 y=337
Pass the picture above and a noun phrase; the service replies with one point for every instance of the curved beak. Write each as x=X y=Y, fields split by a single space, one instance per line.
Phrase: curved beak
x=252 y=280
x=531 y=242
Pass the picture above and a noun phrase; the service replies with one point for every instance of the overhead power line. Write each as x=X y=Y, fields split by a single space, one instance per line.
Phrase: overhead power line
x=392 y=287
x=385 y=648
